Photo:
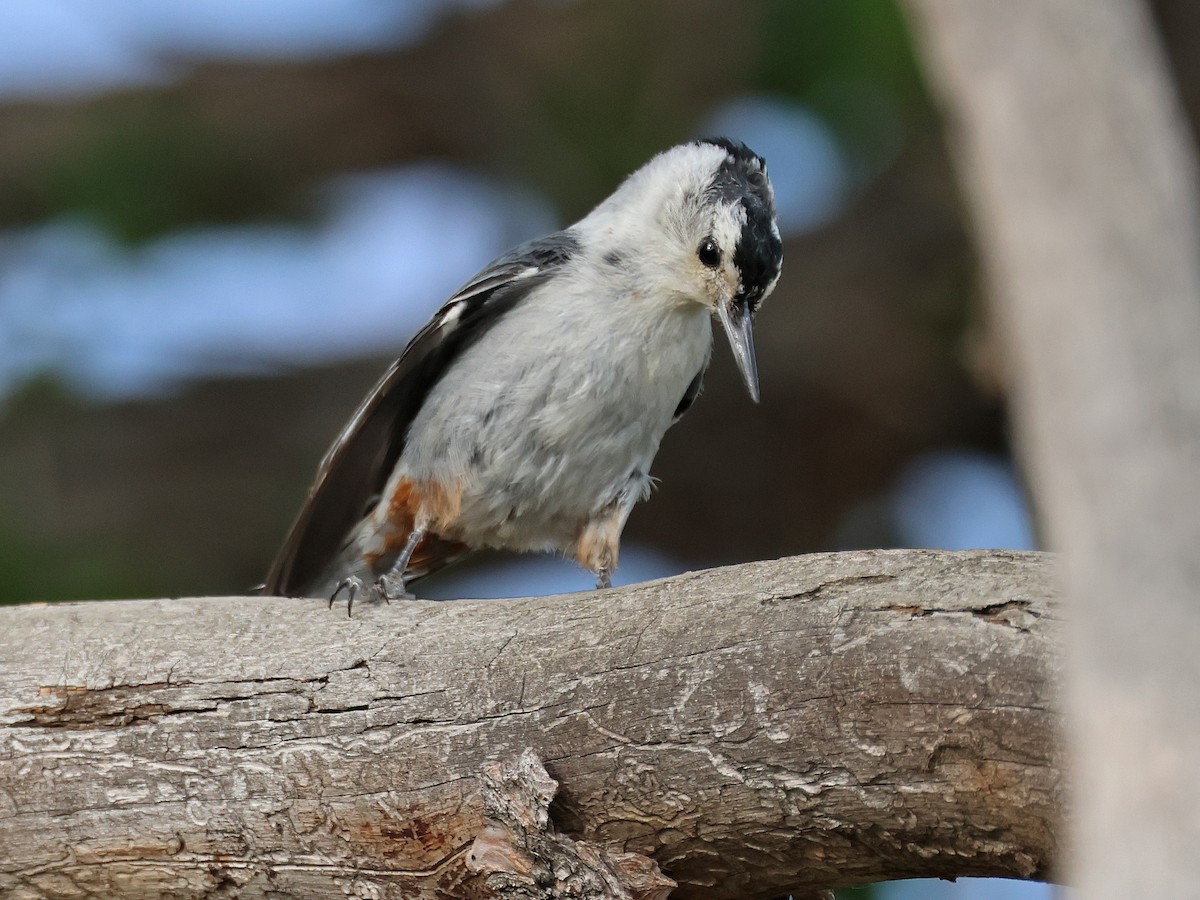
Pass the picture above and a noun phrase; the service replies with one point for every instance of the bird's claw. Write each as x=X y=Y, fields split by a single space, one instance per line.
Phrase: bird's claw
x=351 y=584
x=391 y=587
x=386 y=588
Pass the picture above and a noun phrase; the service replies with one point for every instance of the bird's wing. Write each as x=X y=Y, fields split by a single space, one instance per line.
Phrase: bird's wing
x=689 y=395
x=355 y=470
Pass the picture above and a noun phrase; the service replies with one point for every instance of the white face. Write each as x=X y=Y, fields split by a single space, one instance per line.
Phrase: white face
x=704 y=219
x=715 y=233
x=684 y=216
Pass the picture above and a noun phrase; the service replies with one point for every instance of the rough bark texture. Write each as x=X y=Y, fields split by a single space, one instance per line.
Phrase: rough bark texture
x=803 y=723
x=1079 y=168
x=524 y=857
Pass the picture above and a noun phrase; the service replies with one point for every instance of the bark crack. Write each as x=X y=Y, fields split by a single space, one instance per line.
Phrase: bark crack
x=1010 y=613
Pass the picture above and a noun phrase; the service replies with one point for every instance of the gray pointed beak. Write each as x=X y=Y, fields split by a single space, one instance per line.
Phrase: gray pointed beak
x=739 y=329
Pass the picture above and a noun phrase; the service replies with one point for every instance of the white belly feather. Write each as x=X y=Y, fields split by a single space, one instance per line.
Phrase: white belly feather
x=559 y=408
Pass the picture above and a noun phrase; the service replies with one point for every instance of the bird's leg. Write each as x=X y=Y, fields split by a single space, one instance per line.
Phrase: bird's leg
x=597 y=547
x=599 y=542
x=390 y=585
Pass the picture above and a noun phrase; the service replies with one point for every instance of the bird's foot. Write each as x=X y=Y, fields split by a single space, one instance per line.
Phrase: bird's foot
x=386 y=588
x=391 y=587
x=603 y=580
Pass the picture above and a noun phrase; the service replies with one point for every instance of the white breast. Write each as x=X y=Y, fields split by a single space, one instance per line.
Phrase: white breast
x=555 y=409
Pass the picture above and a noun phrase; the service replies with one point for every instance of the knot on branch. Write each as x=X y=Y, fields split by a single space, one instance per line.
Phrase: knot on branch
x=522 y=856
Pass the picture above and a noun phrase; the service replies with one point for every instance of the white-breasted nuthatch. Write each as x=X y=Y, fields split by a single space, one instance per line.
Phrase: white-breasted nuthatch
x=526 y=414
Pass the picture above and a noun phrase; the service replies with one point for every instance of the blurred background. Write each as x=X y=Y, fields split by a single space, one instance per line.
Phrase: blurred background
x=220 y=220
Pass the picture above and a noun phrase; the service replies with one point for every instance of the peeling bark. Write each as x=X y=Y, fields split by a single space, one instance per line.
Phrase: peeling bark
x=525 y=858
x=789 y=725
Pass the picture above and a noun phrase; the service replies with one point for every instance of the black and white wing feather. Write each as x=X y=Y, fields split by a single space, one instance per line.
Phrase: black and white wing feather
x=355 y=470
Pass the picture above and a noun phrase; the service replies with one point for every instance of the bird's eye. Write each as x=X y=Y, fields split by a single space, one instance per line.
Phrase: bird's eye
x=709 y=253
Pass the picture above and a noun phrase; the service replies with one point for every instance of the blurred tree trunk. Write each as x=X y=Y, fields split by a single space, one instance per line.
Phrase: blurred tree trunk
x=1079 y=171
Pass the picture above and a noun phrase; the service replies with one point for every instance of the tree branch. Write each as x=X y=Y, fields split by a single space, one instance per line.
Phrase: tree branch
x=797 y=724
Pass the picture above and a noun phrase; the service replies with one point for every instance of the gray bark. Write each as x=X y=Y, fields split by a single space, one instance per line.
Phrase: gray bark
x=1082 y=179
x=798 y=724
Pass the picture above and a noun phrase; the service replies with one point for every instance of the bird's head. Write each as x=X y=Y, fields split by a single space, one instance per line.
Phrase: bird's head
x=703 y=215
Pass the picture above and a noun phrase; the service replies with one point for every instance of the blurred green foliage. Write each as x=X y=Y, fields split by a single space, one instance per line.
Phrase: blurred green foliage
x=809 y=43
x=151 y=169
x=32 y=570
x=614 y=103
x=853 y=65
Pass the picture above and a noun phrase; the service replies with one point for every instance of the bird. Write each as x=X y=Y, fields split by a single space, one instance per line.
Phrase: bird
x=526 y=414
